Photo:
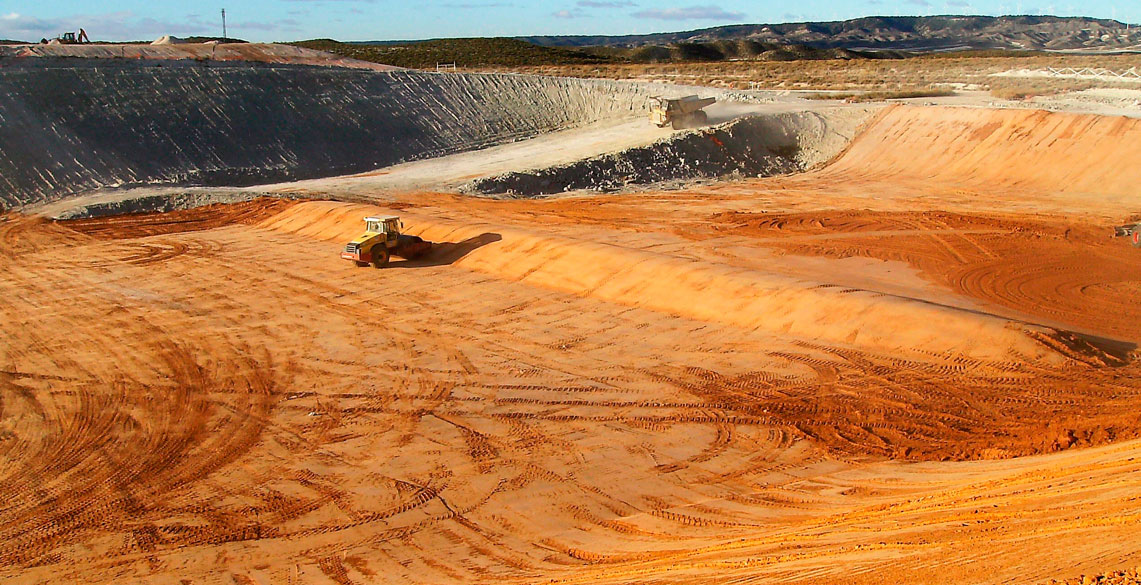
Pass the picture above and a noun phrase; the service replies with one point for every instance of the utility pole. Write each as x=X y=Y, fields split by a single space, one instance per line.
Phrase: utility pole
x=224 y=37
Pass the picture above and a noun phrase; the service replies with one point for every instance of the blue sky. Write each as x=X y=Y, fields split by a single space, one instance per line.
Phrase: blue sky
x=278 y=20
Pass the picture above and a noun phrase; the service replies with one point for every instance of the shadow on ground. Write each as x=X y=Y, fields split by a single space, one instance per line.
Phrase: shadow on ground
x=444 y=253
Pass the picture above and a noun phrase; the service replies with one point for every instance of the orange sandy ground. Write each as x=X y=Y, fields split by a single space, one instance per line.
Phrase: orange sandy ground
x=872 y=373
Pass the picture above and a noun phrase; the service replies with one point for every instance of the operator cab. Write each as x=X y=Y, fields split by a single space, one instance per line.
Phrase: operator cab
x=389 y=225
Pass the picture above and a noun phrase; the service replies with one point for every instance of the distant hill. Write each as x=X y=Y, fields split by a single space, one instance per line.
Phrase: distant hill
x=478 y=52
x=210 y=39
x=728 y=50
x=503 y=52
x=911 y=33
x=861 y=38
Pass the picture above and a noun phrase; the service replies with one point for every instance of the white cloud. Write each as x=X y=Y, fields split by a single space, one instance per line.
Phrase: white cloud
x=477 y=5
x=708 y=12
x=19 y=26
x=606 y=4
x=282 y=24
x=583 y=8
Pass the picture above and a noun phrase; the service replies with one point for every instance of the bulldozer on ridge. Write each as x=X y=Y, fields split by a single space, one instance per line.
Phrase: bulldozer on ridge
x=381 y=241
x=679 y=113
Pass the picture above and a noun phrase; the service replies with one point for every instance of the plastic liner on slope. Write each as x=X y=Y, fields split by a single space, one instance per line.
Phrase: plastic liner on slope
x=709 y=292
x=72 y=129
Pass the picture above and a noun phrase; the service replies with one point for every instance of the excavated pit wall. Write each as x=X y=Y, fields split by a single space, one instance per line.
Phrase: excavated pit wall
x=755 y=146
x=68 y=129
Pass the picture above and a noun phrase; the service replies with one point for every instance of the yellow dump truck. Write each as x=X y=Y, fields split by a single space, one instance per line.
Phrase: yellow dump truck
x=684 y=112
x=381 y=241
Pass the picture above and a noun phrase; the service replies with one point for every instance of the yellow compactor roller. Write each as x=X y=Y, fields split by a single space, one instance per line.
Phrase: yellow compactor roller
x=381 y=241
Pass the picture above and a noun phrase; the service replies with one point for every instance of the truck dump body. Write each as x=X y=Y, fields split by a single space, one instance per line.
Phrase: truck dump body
x=691 y=103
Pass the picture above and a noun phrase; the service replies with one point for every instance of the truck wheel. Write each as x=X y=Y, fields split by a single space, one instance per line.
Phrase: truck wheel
x=700 y=118
x=678 y=123
x=380 y=257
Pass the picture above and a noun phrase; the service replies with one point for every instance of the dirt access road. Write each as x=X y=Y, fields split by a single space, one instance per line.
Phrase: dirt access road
x=752 y=382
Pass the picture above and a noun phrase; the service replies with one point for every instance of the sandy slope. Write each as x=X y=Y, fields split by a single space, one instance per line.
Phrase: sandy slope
x=1071 y=155
x=753 y=382
x=270 y=412
x=1026 y=161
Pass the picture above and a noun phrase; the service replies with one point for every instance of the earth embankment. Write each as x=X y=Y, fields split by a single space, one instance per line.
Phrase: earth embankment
x=753 y=299
x=203 y=54
x=997 y=152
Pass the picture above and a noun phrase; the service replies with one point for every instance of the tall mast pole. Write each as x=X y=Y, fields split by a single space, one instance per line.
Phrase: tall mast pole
x=224 y=37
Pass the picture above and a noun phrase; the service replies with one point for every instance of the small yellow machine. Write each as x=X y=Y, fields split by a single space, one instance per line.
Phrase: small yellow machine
x=70 y=38
x=382 y=240
x=1131 y=231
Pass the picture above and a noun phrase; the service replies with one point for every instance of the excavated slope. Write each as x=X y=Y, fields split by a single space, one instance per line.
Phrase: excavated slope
x=758 y=146
x=65 y=130
x=986 y=150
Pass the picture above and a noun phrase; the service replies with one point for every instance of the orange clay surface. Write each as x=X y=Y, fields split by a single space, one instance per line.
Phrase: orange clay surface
x=901 y=368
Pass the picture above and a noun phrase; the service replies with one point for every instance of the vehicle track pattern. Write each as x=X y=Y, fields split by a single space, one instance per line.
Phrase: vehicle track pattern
x=251 y=409
x=1054 y=269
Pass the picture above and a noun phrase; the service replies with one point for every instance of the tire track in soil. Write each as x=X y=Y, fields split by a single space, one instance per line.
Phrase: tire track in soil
x=1050 y=268
x=109 y=445
x=63 y=492
x=852 y=402
x=298 y=287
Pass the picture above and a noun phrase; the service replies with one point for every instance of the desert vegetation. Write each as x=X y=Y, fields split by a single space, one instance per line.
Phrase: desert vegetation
x=914 y=73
